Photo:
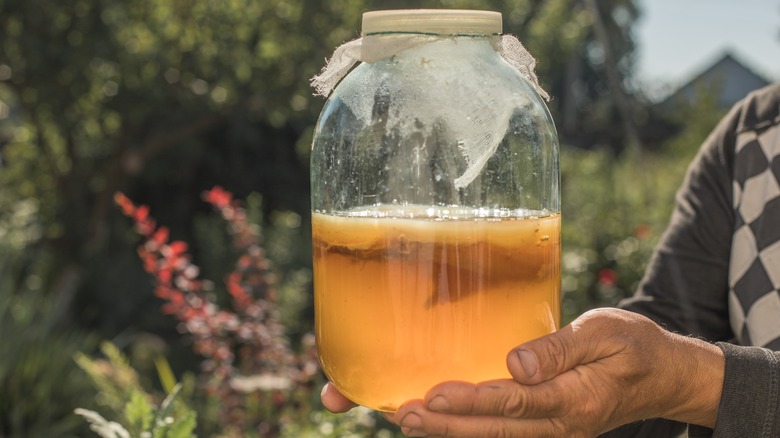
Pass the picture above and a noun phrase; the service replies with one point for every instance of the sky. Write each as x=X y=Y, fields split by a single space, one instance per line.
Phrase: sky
x=680 y=38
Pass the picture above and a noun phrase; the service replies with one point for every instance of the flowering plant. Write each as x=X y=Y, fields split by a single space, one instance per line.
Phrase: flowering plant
x=247 y=356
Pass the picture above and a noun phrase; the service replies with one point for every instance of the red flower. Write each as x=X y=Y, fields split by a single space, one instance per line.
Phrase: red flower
x=244 y=262
x=141 y=213
x=607 y=277
x=218 y=197
x=160 y=237
x=163 y=292
x=128 y=208
x=145 y=227
x=236 y=290
x=149 y=260
x=164 y=276
x=178 y=248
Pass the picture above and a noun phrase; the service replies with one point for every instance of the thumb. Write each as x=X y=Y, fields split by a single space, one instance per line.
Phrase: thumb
x=334 y=401
x=585 y=340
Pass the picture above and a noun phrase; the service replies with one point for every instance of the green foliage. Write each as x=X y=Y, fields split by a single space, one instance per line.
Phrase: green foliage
x=613 y=212
x=616 y=207
x=39 y=381
x=138 y=412
x=133 y=413
x=358 y=423
x=113 y=377
x=136 y=415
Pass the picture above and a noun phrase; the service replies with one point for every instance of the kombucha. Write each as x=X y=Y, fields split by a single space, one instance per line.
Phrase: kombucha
x=402 y=304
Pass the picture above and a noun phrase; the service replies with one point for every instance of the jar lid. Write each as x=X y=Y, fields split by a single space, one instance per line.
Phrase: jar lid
x=436 y=21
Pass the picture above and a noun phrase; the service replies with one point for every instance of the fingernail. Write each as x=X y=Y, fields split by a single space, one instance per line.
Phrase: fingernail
x=411 y=420
x=439 y=404
x=410 y=424
x=528 y=361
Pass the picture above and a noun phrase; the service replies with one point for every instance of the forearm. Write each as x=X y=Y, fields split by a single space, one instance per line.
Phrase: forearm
x=698 y=382
x=732 y=389
x=690 y=393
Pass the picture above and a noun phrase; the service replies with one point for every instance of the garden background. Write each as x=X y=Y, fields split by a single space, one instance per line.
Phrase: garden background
x=164 y=100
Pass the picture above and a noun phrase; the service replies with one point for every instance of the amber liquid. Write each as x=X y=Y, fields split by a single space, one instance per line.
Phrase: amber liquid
x=403 y=304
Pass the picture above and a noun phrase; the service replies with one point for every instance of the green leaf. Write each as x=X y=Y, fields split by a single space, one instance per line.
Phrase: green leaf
x=139 y=412
x=166 y=427
x=168 y=402
x=160 y=426
x=167 y=379
x=181 y=428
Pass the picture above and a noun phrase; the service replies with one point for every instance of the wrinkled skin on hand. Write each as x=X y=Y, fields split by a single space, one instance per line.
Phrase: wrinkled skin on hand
x=607 y=368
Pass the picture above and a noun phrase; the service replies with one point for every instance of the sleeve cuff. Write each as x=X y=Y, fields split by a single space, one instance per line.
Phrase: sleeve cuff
x=749 y=404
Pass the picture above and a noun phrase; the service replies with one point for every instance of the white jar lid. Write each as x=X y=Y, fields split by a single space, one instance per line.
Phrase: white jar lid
x=436 y=21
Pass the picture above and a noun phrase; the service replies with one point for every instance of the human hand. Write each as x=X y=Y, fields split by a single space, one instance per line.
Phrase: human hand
x=334 y=401
x=607 y=368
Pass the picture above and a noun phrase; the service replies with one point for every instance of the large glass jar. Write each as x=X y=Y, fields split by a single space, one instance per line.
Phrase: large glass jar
x=435 y=210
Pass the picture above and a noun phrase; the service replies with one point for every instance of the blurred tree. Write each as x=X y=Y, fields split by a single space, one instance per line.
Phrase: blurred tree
x=159 y=98
x=588 y=62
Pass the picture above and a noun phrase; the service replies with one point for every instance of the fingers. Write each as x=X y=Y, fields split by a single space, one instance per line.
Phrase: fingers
x=334 y=401
x=562 y=407
x=504 y=398
x=583 y=341
x=416 y=421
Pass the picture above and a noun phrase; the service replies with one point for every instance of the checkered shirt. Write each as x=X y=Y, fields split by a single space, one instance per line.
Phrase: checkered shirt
x=754 y=273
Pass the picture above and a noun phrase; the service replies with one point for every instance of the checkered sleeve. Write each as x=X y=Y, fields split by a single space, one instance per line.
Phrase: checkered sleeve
x=754 y=270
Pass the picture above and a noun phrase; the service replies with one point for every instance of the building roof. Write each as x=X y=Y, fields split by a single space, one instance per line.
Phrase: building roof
x=728 y=77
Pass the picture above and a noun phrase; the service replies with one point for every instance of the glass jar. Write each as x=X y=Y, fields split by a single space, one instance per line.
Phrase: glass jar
x=435 y=210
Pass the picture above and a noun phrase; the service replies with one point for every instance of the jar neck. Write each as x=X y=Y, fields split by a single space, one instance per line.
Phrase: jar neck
x=376 y=47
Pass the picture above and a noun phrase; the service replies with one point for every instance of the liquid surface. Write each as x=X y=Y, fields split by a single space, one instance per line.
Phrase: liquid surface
x=402 y=304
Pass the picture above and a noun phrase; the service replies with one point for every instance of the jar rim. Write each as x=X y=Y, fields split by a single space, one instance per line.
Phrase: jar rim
x=432 y=21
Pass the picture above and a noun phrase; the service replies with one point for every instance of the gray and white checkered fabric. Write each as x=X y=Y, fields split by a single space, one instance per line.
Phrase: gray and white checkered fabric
x=754 y=273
